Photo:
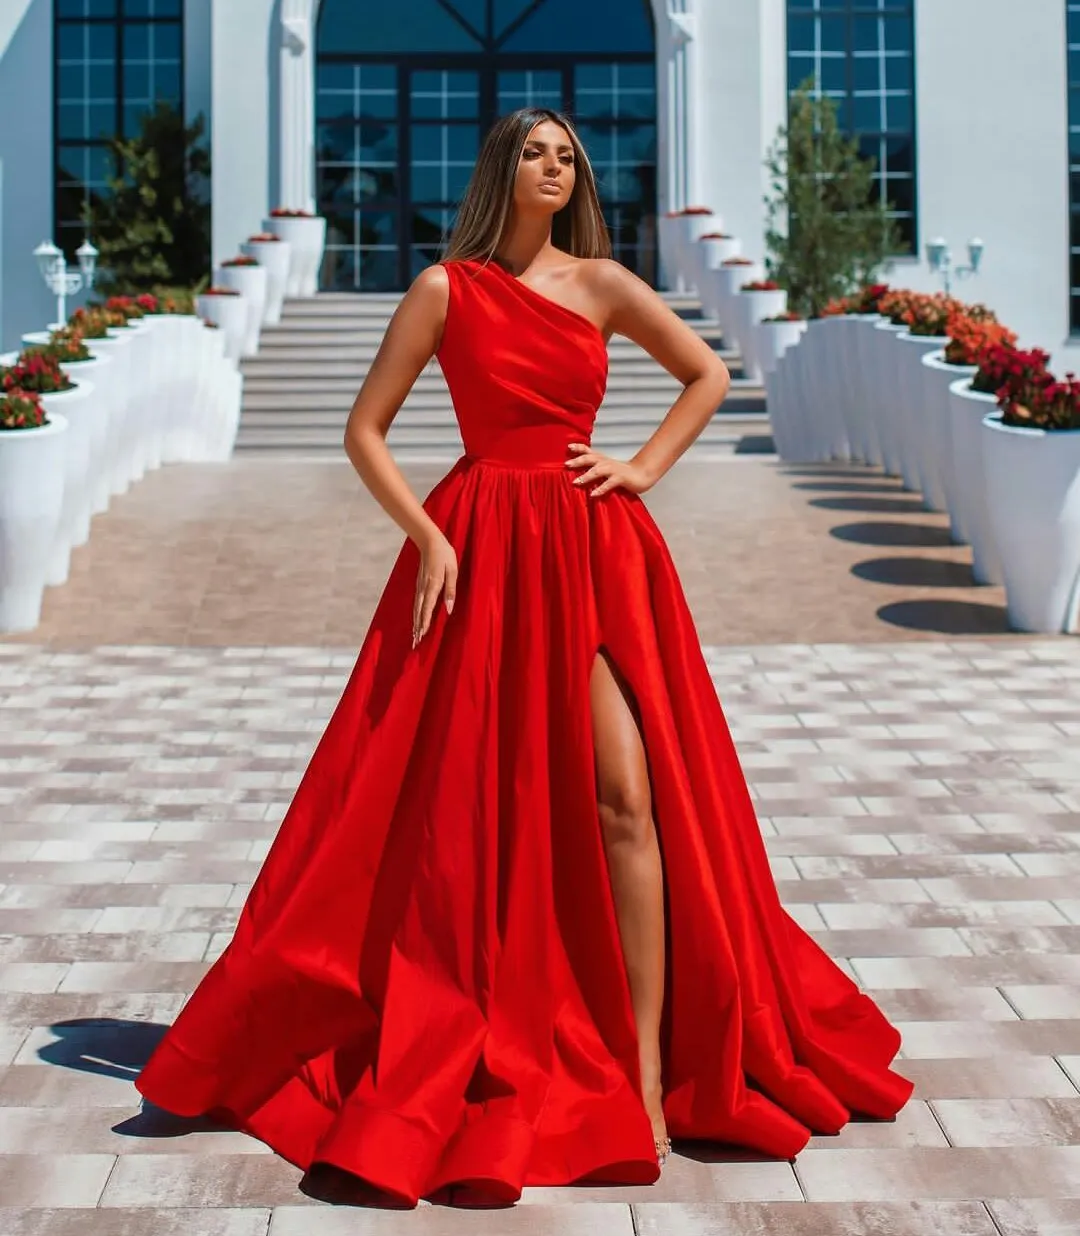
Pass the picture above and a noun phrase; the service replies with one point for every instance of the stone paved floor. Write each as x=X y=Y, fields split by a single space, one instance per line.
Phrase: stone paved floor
x=261 y=552
x=920 y=799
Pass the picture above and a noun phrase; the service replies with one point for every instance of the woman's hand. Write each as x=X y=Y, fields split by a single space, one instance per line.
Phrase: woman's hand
x=438 y=573
x=612 y=473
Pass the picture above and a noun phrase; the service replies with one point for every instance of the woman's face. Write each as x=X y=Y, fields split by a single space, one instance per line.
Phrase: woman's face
x=546 y=173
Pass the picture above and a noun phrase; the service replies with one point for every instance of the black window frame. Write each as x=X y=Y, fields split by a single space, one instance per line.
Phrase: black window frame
x=119 y=21
x=851 y=10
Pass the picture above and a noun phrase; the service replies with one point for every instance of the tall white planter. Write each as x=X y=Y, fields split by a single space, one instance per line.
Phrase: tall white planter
x=938 y=467
x=230 y=315
x=750 y=308
x=117 y=469
x=251 y=283
x=772 y=340
x=95 y=373
x=274 y=256
x=76 y=407
x=823 y=379
x=1033 y=495
x=709 y=251
x=791 y=409
x=726 y=282
x=971 y=514
x=850 y=400
x=141 y=380
x=687 y=230
x=181 y=410
x=883 y=376
x=921 y=474
x=860 y=353
x=31 y=501
x=307 y=239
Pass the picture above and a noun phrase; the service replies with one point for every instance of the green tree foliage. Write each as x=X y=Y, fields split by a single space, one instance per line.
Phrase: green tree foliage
x=826 y=235
x=153 y=227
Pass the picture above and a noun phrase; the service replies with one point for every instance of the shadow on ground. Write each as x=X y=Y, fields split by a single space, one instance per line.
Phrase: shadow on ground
x=916 y=536
x=947 y=617
x=898 y=505
x=916 y=572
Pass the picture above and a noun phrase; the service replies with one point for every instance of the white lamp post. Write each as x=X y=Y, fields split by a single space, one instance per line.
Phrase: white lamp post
x=62 y=282
x=940 y=258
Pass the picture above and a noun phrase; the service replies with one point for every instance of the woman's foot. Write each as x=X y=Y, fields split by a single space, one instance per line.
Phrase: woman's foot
x=653 y=1094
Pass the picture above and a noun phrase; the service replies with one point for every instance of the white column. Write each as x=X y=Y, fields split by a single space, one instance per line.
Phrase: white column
x=676 y=111
x=297 y=96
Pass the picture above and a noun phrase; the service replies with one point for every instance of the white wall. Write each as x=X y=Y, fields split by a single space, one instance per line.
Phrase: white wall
x=26 y=164
x=242 y=127
x=740 y=98
x=993 y=158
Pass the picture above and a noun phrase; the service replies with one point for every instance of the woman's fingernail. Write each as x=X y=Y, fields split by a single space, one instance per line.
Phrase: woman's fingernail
x=450 y=606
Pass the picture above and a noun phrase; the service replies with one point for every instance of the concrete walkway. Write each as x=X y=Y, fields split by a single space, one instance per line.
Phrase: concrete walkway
x=919 y=790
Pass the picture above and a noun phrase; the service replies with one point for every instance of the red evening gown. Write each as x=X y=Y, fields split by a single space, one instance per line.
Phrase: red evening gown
x=426 y=984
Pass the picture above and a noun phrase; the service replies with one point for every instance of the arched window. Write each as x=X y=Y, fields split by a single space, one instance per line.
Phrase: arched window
x=114 y=60
x=403 y=100
x=862 y=54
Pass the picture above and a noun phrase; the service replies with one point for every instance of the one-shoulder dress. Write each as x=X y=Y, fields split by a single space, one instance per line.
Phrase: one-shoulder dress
x=426 y=985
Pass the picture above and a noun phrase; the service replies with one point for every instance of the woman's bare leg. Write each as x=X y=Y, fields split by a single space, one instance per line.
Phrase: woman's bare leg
x=634 y=866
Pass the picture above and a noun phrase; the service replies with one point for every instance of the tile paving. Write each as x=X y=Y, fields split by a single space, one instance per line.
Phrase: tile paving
x=918 y=790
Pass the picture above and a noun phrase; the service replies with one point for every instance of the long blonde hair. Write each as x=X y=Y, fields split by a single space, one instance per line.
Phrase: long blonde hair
x=484 y=213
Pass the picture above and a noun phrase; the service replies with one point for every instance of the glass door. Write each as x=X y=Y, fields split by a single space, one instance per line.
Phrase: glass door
x=397 y=142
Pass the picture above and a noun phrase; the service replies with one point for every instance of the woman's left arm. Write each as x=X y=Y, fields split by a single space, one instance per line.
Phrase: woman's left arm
x=631 y=308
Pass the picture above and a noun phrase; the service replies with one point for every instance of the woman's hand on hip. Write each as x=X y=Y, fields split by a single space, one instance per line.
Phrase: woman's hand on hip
x=438 y=574
x=611 y=473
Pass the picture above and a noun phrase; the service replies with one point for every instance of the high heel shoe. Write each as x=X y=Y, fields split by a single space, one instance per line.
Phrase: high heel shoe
x=663 y=1149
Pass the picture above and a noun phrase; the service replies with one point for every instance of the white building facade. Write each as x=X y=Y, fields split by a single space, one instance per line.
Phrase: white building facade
x=371 y=112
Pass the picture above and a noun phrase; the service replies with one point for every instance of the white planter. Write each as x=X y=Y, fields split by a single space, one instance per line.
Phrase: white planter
x=749 y=308
x=772 y=340
x=307 y=239
x=31 y=502
x=229 y=314
x=76 y=407
x=726 y=282
x=274 y=256
x=251 y=283
x=850 y=409
x=139 y=383
x=971 y=515
x=180 y=407
x=687 y=230
x=117 y=470
x=796 y=438
x=864 y=401
x=709 y=251
x=824 y=378
x=883 y=377
x=916 y=454
x=938 y=467
x=94 y=374
x=1033 y=494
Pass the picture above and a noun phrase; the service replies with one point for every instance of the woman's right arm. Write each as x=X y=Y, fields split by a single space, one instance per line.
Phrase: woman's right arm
x=411 y=340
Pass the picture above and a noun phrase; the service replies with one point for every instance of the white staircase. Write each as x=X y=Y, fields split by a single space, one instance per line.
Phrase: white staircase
x=298 y=390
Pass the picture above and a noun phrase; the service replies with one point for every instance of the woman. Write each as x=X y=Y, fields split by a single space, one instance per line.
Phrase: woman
x=519 y=922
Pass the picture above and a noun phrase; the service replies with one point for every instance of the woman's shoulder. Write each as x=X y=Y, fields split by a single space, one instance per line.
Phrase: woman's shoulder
x=610 y=282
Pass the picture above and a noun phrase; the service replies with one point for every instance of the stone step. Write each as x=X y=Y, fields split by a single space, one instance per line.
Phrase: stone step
x=413 y=418
x=346 y=373
x=449 y=445
x=309 y=401
x=279 y=342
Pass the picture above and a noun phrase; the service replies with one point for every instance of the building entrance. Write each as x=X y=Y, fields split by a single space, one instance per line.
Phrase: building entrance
x=402 y=103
